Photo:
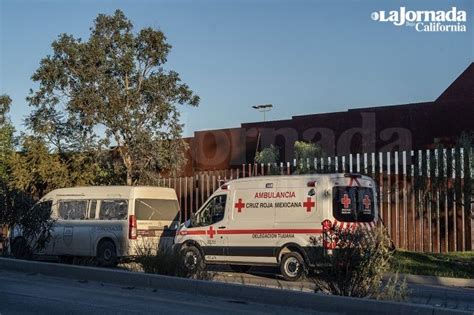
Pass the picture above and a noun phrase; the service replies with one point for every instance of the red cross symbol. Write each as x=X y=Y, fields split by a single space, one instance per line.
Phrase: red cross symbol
x=366 y=201
x=346 y=201
x=308 y=204
x=211 y=232
x=239 y=205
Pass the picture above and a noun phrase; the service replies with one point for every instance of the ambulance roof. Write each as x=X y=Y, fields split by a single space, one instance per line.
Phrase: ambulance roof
x=323 y=178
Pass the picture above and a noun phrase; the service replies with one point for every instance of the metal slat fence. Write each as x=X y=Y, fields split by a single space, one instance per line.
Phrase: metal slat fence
x=424 y=195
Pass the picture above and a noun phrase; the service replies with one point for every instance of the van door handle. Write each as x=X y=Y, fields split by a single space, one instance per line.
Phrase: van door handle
x=221 y=227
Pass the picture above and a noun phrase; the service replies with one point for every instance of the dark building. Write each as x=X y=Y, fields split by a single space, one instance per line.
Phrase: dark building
x=372 y=129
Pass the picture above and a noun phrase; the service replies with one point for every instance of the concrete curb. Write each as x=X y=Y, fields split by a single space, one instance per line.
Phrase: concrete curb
x=433 y=280
x=310 y=301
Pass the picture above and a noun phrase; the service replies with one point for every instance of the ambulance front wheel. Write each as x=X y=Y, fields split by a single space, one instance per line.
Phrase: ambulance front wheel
x=292 y=266
x=192 y=260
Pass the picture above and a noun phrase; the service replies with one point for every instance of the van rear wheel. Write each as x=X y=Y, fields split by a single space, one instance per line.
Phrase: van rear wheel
x=107 y=254
x=292 y=266
x=192 y=260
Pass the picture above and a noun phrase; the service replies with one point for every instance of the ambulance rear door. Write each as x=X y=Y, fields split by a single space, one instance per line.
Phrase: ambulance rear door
x=354 y=200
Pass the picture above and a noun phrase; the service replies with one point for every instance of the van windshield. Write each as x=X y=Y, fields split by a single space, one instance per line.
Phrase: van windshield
x=155 y=209
x=353 y=204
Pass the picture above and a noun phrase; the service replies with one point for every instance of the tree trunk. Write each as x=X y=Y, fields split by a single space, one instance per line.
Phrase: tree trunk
x=127 y=161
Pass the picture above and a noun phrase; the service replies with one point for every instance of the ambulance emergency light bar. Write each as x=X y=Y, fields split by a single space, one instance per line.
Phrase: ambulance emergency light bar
x=311 y=183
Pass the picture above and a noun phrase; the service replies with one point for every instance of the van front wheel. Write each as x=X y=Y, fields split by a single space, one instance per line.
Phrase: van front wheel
x=20 y=249
x=292 y=266
x=192 y=260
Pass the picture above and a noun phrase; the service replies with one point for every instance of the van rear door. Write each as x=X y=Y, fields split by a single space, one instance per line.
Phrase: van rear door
x=157 y=218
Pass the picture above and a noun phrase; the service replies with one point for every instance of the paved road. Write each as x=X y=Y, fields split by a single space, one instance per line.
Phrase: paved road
x=439 y=296
x=36 y=294
x=33 y=293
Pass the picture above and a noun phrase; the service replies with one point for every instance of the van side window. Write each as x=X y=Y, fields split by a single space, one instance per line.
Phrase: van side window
x=44 y=207
x=113 y=210
x=73 y=209
x=92 y=209
x=212 y=213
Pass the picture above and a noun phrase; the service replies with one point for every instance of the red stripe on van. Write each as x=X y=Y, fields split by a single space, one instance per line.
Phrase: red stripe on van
x=266 y=231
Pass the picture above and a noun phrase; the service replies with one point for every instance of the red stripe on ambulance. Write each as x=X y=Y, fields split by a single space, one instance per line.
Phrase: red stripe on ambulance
x=210 y=232
x=269 y=231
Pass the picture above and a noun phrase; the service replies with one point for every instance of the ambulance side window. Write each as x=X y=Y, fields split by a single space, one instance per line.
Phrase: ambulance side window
x=213 y=212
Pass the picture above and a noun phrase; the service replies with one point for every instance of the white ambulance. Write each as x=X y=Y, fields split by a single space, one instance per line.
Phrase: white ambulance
x=272 y=220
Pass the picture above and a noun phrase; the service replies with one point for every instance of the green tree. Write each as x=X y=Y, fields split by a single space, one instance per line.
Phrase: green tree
x=6 y=137
x=305 y=153
x=6 y=152
x=36 y=171
x=16 y=205
x=112 y=88
x=270 y=156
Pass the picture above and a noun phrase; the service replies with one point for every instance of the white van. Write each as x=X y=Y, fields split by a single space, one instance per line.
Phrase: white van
x=107 y=222
x=271 y=221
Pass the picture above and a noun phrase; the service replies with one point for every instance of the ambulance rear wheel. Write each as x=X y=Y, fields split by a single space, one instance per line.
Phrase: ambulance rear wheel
x=192 y=260
x=240 y=268
x=292 y=266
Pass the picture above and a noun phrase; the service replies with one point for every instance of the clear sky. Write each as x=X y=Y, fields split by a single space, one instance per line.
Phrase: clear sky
x=303 y=57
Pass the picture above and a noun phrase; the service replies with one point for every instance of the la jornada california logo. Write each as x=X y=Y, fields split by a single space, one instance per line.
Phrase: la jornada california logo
x=453 y=20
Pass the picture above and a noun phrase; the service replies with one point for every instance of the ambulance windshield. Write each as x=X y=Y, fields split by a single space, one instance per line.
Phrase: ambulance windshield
x=212 y=212
x=353 y=204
